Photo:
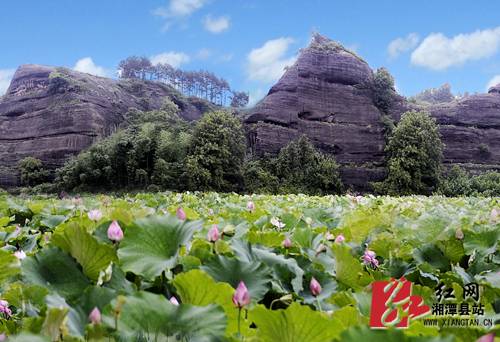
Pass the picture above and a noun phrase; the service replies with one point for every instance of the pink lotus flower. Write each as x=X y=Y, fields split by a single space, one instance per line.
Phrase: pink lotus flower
x=315 y=287
x=287 y=243
x=20 y=255
x=95 y=316
x=213 y=234
x=340 y=238
x=174 y=301
x=369 y=258
x=3 y=337
x=487 y=338
x=181 y=214
x=241 y=296
x=95 y=215
x=250 y=206
x=115 y=232
x=329 y=236
x=4 y=308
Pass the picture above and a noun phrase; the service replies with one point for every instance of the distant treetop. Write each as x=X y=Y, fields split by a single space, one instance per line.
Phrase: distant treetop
x=202 y=84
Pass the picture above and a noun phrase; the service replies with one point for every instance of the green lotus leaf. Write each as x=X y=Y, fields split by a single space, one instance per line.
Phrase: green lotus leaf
x=152 y=316
x=348 y=269
x=90 y=254
x=151 y=245
x=9 y=265
x=295 y=324
x=256 y=275
x=57 y=271
x=286 y=271
x=198 y=288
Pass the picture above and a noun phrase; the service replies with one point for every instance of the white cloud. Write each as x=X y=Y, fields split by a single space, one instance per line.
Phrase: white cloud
x=402 y=45
x=179 y=8
x=216 y=25
x=267 y=63
x=5 y=78
x=175 y=59
x=204 y=54
x=87 y=65
x=493 y=82
x=439 y=52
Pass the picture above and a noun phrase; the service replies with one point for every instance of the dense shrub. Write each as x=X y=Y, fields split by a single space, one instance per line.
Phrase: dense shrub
x=298 y=168
x=32 y=171
x=216 y=153
x=148 y=150
x=414 y=156
x=259 y=178
x=486 y=184
x=457 y=182
x=383 y=89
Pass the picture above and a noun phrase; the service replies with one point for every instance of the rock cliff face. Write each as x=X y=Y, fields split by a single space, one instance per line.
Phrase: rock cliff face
x=53 y=113
x=327 y=96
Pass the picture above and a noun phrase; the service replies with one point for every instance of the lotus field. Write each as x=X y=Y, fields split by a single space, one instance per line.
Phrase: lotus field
x=208 y=266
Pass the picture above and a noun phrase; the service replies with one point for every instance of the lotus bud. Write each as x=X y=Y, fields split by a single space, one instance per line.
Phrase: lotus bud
x=369 y=258
x=340 y=238
x=95 y=215
x=315 y=287
x=3 y=337
x=250 y=206
x=115 y=232
x=20 y=254
x=459 y=234
x=4 y=308
x=241 y=296
x=95 y=316
x=181 y=214
x=174 y=301
x=287 y=243
x=213 y=234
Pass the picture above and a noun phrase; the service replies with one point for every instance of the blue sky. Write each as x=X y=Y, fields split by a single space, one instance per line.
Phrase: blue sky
x=424 y=44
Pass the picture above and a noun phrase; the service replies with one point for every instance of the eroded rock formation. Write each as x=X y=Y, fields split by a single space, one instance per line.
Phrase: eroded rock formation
x=53 y=113
x=327 y=95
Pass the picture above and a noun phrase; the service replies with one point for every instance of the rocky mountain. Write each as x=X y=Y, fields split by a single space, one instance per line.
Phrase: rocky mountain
x=327 y=95
x=53 y=113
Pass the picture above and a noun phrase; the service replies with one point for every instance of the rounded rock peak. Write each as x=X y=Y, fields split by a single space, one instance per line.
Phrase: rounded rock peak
x=494 y=89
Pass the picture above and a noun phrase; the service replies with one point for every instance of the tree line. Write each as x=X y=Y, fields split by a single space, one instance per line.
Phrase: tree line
x=202 y=83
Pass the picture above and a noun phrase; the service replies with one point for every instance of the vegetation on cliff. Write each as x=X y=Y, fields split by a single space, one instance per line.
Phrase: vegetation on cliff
x=202 y=84
x=414 y=153
x=158 y=150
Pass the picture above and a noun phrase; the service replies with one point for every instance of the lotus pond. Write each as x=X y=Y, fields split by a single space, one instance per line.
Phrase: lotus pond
x=208 y=266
